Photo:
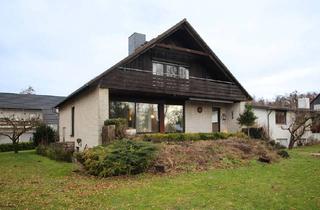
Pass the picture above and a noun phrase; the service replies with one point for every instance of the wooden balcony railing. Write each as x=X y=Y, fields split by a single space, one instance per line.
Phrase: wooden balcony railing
x=146 y=81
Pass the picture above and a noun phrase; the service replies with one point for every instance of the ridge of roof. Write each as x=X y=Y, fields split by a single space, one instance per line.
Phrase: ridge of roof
x=1 y=93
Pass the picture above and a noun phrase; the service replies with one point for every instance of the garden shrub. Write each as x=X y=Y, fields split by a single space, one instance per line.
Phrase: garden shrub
x=55 y=152
x=21 y=146
x=121 y=125
x=283 y=153
x=276 y=145
x=172 y=137
x=256 y=133
x=122 y=157
x=44 y=134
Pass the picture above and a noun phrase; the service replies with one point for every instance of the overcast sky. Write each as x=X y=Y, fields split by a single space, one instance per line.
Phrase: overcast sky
x=272 y=47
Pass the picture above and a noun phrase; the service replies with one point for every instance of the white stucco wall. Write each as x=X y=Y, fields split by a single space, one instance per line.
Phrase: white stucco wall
x=231 y=112
x=201 y=122
x=91 y=109
x=21 y=114
x=195 y=121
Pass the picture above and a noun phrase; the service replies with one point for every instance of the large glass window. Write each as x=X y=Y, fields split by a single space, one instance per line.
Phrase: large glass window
x=173 y=118
x=147 y=118
x=119 y=109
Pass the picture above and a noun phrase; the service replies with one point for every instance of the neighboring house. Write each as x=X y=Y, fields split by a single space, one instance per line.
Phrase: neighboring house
x=315 y=103
x=274 y=119
x=172 y=83
x=26 y=106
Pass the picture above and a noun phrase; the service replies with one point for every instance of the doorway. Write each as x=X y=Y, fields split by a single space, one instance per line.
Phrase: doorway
x=215 y=120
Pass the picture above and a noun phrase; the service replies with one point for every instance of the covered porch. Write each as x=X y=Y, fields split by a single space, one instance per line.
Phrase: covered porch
x=163 y=113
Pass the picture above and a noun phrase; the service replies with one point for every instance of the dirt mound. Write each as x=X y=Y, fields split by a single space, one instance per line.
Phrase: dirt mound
x=204 y=155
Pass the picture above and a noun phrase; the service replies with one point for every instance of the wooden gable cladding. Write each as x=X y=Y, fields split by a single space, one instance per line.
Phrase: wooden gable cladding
x=183 y=38
x=184 y=46
x=145 y=81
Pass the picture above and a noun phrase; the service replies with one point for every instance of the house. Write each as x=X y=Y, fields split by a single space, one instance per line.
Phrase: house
x=172 y=83
x=28 y=105
x=315 y=103
x=274 y=120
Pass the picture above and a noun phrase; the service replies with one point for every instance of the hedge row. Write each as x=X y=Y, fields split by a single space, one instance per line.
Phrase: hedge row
x=172 y=137
x=21 y=146
x=54 y=152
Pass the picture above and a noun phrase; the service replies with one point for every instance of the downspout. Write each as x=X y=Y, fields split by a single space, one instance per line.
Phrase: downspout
x=269 y=112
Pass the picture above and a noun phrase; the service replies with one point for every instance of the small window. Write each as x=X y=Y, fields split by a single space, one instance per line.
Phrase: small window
x=157 y=69
x=232 y=115
x=72 y=121
x=172 y=71
x=183 y=72
x=281 y=117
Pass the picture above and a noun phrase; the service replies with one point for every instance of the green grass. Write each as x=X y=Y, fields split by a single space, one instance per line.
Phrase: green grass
x=35 y=182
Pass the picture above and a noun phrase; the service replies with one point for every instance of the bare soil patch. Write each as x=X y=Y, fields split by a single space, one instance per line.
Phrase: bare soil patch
x=204 y=155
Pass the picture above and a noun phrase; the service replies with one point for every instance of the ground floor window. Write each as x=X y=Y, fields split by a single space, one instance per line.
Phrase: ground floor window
x=145 y=117
x=121 y=109
x=173 y=118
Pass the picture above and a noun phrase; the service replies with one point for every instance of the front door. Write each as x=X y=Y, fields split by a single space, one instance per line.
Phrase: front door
x=215 y=120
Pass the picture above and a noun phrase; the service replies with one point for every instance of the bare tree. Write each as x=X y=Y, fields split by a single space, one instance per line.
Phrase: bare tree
x=301 y=123
x=288 y=100
x=28 y=90
x=13 y=127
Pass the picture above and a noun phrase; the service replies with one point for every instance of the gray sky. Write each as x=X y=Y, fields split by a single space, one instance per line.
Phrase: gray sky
x=272 y=47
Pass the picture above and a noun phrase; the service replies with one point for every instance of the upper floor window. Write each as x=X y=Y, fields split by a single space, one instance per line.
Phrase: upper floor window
x=281 y=117
x=170 y=70
x=157 y=69
x=183 y=72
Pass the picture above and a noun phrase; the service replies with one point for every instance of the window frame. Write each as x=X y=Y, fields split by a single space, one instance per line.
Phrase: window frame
x=179 y=68
x=72 y=121
x=281 y=122
x=158 y=103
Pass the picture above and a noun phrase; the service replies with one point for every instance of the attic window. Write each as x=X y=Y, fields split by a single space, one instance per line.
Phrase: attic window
x=170 y=70
x=157 y=69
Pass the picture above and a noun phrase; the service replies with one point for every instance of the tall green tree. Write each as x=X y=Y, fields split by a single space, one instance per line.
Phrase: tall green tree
x=247 y=118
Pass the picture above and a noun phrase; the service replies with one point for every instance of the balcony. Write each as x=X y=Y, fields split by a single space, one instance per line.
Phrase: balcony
x=145 y=81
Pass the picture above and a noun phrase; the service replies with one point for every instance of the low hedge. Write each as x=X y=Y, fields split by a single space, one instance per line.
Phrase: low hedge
x=122 y=157
x=172 y=137
x=21 y=146
x=54 y=152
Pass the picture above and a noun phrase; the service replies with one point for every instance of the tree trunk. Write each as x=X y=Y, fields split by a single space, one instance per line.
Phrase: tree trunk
x=291 y=143
x=248 y=130
x=15 y=147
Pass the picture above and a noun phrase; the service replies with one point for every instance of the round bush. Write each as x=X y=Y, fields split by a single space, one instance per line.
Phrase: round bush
x=123 y=157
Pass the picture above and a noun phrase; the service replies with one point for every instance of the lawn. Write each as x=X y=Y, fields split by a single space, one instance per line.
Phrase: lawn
x=29 y=181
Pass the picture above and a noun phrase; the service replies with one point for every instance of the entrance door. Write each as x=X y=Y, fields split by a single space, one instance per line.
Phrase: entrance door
x=215 y=119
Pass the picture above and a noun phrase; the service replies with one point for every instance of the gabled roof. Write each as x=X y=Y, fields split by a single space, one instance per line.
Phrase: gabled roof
x=150 y=44
x=45 y=103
